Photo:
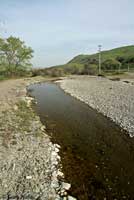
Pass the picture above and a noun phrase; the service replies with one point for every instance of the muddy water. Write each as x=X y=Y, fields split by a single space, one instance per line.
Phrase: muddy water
x=97 y=157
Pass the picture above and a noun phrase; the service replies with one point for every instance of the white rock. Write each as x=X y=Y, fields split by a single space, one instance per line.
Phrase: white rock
x=43 y=128
x=71 y=198
x=66 y=186
x=56 y=150
x=59 y=173
x=28 y=177
x=15 y=107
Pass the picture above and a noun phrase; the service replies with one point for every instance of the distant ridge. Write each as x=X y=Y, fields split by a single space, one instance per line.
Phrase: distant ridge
x=125 y=51
x=114 y=59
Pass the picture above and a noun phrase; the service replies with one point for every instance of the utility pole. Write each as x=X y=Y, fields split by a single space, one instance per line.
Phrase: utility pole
x=128 y=67
x=99 y=46
x=119 y=70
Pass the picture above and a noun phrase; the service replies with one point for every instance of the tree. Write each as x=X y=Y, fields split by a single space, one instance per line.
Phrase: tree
x=86 y=69
x=130 y=59
x=111 y=64
x=121 y=59
x=15 y=54
x=89 y=69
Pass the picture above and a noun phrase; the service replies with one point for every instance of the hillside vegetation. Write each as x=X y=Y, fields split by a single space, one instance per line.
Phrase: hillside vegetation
x=112 y=60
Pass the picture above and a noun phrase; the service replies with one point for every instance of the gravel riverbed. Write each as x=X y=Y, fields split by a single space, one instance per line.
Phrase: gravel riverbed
x=115 y=99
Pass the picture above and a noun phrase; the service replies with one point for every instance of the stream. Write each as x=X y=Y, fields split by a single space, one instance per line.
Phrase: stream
x=96 y=155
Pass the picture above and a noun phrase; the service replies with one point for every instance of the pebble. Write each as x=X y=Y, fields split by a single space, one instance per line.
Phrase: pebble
x=15 y=107
x=71 y=198
x=66 y=186
x=28 y=177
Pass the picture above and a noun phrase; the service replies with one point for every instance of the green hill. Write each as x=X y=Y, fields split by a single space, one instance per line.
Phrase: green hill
x=112 y=60
x=125 y=52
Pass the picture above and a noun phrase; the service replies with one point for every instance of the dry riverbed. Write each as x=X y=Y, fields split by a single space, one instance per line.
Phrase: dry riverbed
x=112 y=98
x=29 y=162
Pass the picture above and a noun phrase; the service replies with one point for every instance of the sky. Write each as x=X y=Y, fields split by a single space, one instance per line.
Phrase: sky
x=58 y=30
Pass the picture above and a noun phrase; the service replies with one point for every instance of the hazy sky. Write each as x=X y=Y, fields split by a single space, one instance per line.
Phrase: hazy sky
x=58 y=30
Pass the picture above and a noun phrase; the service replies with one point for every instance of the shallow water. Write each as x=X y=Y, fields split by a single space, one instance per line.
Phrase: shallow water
x=97 y=157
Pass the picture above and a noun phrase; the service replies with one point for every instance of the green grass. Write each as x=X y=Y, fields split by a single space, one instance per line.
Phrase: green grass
x=2 y=78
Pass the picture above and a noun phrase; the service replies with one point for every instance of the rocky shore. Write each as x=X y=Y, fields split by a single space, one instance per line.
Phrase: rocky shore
x=112 y=98
x=29 y=162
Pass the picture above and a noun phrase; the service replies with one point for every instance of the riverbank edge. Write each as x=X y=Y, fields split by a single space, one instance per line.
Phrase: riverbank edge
x=55 y=148
x=60 y=187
